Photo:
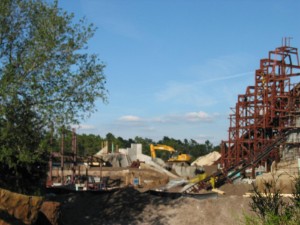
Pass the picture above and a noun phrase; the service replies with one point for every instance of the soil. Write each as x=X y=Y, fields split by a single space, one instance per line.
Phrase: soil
x=129 y=206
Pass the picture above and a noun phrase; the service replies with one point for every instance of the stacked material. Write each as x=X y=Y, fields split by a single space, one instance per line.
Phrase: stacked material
x=207 y=160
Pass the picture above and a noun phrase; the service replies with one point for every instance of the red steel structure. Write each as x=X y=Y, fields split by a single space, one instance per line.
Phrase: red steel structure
x=266 y=111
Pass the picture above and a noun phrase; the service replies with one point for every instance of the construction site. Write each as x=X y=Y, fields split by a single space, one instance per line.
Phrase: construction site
x=125 y=186
x=263 y=135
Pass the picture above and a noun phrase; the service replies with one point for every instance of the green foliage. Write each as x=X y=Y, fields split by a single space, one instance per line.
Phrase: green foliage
x=23 y=160
x=42 y=60
x=271 y=209
x=271 y=219
x=296 y=192
x=267 y=202
x=46 y=81
x=89 y=144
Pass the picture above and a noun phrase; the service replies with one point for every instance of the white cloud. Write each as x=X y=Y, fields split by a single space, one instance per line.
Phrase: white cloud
x=198 y=116
x=130 y=118
x=170 y=118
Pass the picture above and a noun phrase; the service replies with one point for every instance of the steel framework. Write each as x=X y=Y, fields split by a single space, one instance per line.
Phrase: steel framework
x=266 y=110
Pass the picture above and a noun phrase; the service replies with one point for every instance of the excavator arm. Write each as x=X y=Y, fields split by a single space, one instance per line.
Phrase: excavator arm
x=179 y=158
x=153 y=149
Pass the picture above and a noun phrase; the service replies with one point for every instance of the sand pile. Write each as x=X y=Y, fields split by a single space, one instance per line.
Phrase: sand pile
x=207 y=160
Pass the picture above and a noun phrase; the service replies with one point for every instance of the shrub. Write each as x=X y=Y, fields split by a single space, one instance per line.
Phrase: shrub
x=270 y=207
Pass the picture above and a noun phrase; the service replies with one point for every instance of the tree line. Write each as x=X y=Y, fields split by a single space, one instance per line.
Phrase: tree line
x=90 y=144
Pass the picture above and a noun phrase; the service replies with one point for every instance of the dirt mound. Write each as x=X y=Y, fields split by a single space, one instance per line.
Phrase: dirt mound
x=129 y=206
x=236 y=189
x=207 y=160
x=123 y=206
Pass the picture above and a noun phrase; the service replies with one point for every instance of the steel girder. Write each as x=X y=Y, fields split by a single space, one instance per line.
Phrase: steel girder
x=267 y=108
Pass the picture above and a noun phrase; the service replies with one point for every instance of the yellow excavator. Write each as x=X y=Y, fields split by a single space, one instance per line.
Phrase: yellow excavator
x=175 y=156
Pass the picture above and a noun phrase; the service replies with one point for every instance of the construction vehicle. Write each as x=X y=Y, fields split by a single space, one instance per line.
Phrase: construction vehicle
x=176 y=157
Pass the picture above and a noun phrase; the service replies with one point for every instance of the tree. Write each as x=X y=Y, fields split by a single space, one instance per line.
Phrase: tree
x=208 y=146
x=20 y=133
x=44 y=72
x=42 y=60
x=88 y=145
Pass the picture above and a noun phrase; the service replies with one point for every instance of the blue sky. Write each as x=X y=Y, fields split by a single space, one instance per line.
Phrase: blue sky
x=175 y=67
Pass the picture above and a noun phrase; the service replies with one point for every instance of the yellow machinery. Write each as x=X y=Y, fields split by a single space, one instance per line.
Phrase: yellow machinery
x=177 y=158
x=198 y=178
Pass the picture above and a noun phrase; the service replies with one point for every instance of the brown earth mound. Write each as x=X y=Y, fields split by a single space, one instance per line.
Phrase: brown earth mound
x=18 y=208
x=129 y=206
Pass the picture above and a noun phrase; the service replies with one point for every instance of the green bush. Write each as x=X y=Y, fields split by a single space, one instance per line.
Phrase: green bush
x=270 y=207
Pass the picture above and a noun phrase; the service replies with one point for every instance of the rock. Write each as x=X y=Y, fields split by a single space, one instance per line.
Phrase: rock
x=51 y=211
x=6 y=219
x=22 y=207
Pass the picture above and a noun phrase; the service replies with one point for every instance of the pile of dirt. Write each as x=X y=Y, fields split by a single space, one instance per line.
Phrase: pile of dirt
x=129 y=206
x=207 y=160
x=124 y=206
x=239 y=189
x=221 y=211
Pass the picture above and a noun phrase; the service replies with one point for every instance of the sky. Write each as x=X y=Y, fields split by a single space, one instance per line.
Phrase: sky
x=175 y=67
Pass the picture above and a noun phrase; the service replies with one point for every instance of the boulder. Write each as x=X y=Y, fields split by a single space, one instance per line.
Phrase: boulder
x=51 y=210
x=22 y=207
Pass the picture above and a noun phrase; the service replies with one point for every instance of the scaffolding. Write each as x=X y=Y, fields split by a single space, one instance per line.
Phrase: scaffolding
x=266 y=111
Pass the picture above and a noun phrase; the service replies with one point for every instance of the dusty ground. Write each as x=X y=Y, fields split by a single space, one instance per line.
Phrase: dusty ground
x=129 y=206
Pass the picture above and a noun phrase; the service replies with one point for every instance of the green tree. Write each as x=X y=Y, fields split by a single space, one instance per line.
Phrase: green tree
x=208 y=146
x=88 y=144
x=123 y=143
x=111 y=140
x=42 y=60
x=195 y=149
x=19 y=134
x=44 y=69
